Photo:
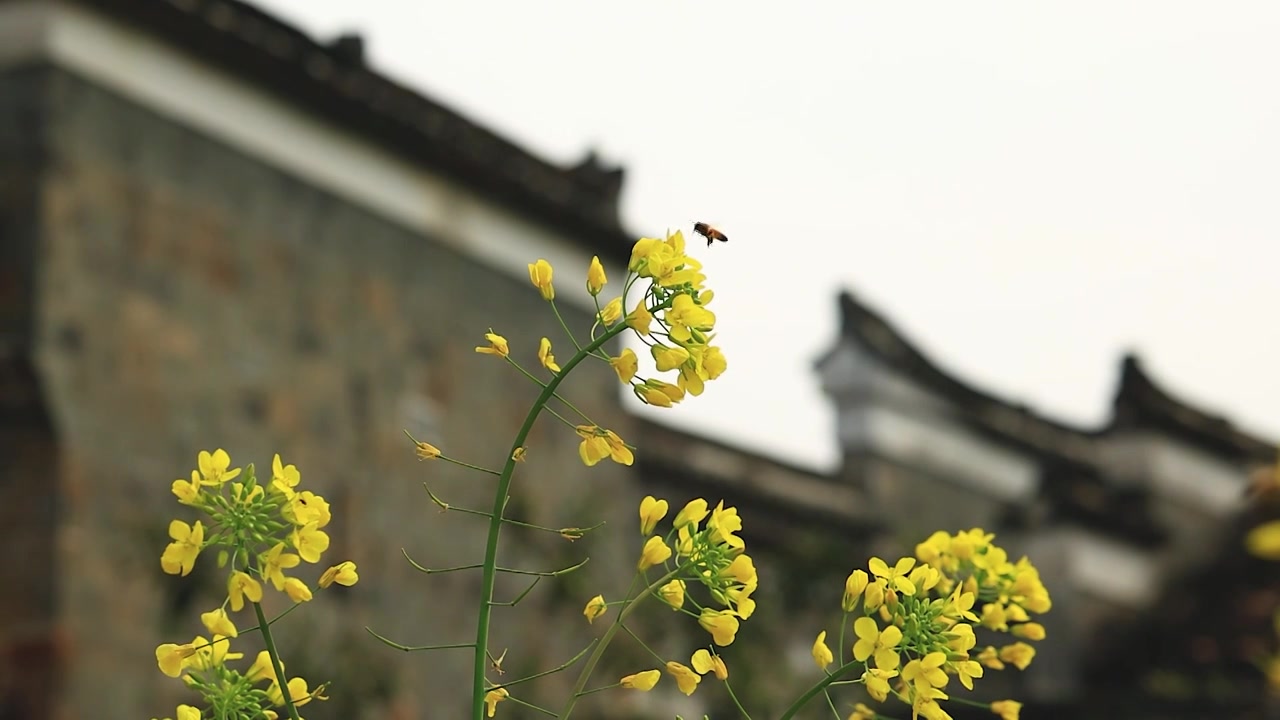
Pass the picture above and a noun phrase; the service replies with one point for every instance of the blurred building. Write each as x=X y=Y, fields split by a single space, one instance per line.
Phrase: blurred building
x=217 y=231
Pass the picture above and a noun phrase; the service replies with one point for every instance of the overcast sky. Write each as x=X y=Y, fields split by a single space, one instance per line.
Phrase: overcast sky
x=1027 y=190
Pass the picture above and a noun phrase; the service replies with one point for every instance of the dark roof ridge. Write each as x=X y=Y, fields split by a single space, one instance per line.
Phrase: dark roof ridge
x=1142 y=402
x=332 y=81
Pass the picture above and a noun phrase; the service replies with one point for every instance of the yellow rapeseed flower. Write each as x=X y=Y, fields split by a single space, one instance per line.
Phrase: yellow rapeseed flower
x=545 y=357
x=172 y=658
x=611 y=311
x=652 y=510
x=684 y=317
x=1264 y=540
x=540 y=275
x=655 y=552
x=309 y=541
x=1028 y=630
x=874 y=642
x=686 y=679
x=640 y=319
x=673 y=594
x=497 y=345
x=877 y=682
x=188 y=492
x=692 y=513
x=1006 y=709
x=862 y=712
x=705 y=661
x=297 y=590
x=274 y=562
x=821 y=653
x=642 y=680
x=426 y=451
x=595 y=277
x=1018 y=654
x=284 y=478
x=668 y=358
x=596 y=607
x=626 y=365
x=492 y=698
x=218 y=623
x=853 y=587
x=180 y=555
x=926 y=673
x=344 y=573
x=722 y=624
x=618 y=450
x=240 y=587
x=262 y=669
x=215 y=467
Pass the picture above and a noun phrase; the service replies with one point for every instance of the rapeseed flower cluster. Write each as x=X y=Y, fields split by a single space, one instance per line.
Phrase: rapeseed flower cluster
x=261 y=530
x=914 y=622
x=701 y=548
x=671 y=317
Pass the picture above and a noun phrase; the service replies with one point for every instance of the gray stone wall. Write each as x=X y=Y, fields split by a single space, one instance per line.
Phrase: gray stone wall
x=188 y=297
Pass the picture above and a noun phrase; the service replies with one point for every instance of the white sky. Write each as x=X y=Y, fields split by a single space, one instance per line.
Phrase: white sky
x=1025 y=189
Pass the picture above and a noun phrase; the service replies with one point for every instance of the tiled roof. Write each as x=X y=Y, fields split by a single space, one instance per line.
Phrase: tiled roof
x=332 y=81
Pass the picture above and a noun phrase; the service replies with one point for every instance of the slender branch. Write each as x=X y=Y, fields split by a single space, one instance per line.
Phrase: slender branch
x=736 y=701
x=468 y=511
x=559 y=668
x=521 y=596
x=430 y=571
x=544 y=573
x=500 y=497
x=408 y=648
x=276 y=664
x=820 y=687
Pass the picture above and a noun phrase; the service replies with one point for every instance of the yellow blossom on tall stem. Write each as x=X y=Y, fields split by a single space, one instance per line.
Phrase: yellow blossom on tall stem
x=545 y=357
x=652 y=510
x=215 y=467
x=497 y=345
x=180 y=556
x=686 y=679
x=643 y=681
x=595 y=608
x=595 y=276
x=540 y=275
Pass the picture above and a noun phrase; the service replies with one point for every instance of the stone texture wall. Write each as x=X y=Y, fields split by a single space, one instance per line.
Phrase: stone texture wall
x=187 y=297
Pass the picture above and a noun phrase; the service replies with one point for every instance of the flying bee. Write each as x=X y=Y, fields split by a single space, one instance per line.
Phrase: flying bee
x=709 y=233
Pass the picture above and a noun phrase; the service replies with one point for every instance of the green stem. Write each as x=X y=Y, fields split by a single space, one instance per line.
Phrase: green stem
x=495 y=521
x=736 y=702
x=608 y=637
x=821 y=687
x=265 y=628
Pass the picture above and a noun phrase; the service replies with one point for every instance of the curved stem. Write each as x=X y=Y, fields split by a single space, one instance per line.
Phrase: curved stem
x=265 y=628
x=608 y=636
x=495 y=521
x=821 y=687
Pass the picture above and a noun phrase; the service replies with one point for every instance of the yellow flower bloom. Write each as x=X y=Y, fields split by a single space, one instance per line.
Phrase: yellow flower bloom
x=545 y=357
x=595 y=277
x=673 y=594
x=862 y=712
x=1264 y=540
x=239 y=587
x=595 y=608
x=926 y=673
x=212 y=653
x=655 y=551
x=684 y=317
x=993 y=617
x=612 y=310
x=652 y=510
x=306 y=508
x=497 y=345
x=641 y=680
x=426 y=451
x=297 y=590
x=262 y=669
x=722 y=624
x=821 y=653
x=874 y=642
x=967 y=670
x=1006 y=709
x=877 y=682
x=492 y=698
x=214 y=467
x=742 y=569
x=540 y=275
x=705 y=661
x=518 y=454
x=310 y=542
x=1018 y=655
x=990 y=658
x=1030 y=631
x=618 y=450
x=274 y=562
x=723 y=524
x=873 y=597
x=895 y=576
x=692 y=513
x=853 y=587
x=217 y=623
x=640 y=318
x=298 y=693
x=188 y=492
x=961 y=638
x=344 y=573
x=180 y=555
x=668 y=358
x=284 y=477
x=652 y=395
x=186 y=712
x=172 y=658
x=625 y=365
x=686 y=679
